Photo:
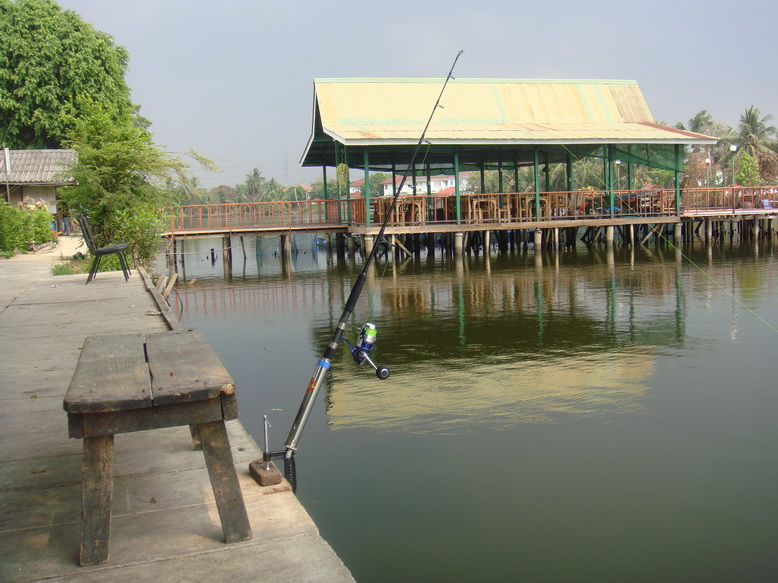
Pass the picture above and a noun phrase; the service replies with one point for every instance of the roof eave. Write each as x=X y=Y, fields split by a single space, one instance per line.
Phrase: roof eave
x=520 y=142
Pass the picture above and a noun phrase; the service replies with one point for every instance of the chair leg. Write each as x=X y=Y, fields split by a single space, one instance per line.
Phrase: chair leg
x=94 y=268
x=123 y=263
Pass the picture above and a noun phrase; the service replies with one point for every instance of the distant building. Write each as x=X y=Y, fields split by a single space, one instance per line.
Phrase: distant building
x=437 y=184
x=356 y=186
x=34 y=175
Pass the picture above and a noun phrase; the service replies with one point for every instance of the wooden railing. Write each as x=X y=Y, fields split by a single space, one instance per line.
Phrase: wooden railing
x=257 y=215
x=734 y=199
x=512 y=207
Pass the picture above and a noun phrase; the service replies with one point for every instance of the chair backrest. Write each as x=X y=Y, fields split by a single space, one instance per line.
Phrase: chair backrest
x=87 y=233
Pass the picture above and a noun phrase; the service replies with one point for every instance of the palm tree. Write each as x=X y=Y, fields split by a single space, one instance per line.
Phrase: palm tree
x=254 y=184
x=757 y=137
x=699 y=124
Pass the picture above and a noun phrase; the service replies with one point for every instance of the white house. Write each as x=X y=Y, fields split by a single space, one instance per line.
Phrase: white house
x=437 y=184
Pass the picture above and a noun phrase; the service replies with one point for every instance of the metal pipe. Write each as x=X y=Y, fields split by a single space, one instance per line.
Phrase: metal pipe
x=324 y=363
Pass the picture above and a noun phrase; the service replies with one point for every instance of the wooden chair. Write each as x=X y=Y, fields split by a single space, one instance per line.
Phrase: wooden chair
x=98 y=252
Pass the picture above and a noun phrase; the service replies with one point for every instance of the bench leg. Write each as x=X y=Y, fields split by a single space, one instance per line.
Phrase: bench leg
x=96 y=496
x=197 y=443
x=224 y=481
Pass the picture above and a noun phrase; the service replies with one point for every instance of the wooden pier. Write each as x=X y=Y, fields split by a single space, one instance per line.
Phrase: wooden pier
x=165 y=522
x=547 y=218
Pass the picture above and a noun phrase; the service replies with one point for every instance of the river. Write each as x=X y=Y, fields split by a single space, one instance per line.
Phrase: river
x=586 y=415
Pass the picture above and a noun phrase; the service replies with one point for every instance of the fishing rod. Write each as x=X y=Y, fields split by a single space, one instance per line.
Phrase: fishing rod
x=367 y=337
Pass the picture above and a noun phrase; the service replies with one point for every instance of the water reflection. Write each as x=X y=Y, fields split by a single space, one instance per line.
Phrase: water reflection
x=449 y=395
x=619 y=401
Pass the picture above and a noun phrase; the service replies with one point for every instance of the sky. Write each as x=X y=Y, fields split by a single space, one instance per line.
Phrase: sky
x=233 y=79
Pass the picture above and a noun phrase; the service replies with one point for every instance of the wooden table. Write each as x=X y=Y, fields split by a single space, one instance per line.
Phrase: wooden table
x=481 y=208
x=134 y=382
x=407 y=210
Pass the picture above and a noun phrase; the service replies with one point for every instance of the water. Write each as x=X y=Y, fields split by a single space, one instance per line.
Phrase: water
x=581 y=416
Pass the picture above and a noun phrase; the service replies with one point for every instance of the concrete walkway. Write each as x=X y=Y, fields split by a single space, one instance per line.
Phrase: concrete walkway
x=165 y=527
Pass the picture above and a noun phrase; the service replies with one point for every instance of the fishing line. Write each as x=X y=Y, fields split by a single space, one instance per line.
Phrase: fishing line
x=644 y=221
x=710 y=278
x=367 y=338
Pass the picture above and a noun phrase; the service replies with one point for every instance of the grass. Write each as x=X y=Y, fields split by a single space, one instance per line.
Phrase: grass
x=81 y=265
x=71 y=267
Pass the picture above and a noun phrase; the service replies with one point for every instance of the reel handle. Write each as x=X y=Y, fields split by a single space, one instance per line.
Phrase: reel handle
x=382 y=372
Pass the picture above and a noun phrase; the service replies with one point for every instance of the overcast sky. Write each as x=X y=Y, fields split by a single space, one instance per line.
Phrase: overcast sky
x=233 y=79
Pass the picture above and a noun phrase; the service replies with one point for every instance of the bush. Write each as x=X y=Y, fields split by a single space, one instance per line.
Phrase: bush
x=22 y=227
x=40 y=224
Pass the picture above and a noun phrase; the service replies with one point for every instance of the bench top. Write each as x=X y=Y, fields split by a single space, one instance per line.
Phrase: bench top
x=134 y=371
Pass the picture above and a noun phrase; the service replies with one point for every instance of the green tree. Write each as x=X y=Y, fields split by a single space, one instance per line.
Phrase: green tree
x=701 y=123
x=255 y=183
x=50 y=62
x=375 y=179
x=223 y=194
x=121 y=176
x=757 y=138
x=273 y=191
x=747 y=172
x=317 y=189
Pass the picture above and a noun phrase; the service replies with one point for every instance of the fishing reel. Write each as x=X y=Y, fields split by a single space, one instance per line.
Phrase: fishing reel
x=361 y=349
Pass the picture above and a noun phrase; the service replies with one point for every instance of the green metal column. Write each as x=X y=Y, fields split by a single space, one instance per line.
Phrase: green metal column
x=570 y=183
x=609 y=177
x=678 y=170
x=629 y=167
x=348 y=194
x=515 y=175
x=429 y=203
x=337 y=186
x=456 y=188
x=536 y=175
x=367 y=188
x=324 y=179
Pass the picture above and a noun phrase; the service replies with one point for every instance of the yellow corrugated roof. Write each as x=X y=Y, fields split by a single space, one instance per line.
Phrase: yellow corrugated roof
x=393 y=112
x=384 y=107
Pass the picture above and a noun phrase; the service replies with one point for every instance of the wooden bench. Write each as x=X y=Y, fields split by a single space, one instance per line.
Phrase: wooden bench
x=134 y=382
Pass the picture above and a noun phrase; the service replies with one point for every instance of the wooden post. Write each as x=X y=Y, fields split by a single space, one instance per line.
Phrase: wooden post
x=459 y=247
x=224 y=480
x=227 y=257
x=96 y=498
